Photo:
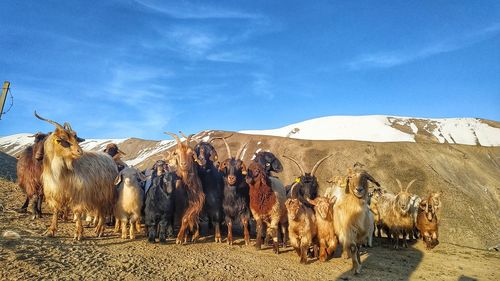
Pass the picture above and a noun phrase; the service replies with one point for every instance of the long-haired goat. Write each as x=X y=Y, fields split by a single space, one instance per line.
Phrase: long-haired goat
x=236 y=194
x=395 y=214
x=213 y=185
x=323 y=208
x=307 y=183
x=350 y=215
x=159 y=207
x=302 y=228
x=130 y=200
x=267 y=203
x=427 y=221
x=81 y=180
x=29 y=170
x=191 y=183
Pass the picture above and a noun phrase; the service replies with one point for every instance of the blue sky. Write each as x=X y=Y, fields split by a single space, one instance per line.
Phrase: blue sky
x=118 y=69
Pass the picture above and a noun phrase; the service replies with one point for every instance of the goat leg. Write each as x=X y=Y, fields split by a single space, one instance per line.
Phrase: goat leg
x=354 y=252
x=124 y=227
x=24 y=208
x=51 y=231
x=163 y=230
x=134 y=220
x=258 y=242
x=117 y=225
x=323 y=252
x=245 y=231
x=218 y=238
x=79 y=228
x=182 y=232
x=229 y=231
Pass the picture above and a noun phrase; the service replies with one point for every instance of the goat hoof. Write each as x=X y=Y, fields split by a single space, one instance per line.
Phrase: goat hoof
x=124 y=236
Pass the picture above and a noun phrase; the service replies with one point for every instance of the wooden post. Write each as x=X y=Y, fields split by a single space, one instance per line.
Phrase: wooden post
x=5 y=90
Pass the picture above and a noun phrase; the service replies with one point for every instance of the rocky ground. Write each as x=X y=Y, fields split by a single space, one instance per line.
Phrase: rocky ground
x=33 y=256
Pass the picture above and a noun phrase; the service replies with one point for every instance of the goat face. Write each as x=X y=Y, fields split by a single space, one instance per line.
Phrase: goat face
x=293 y=206
x=255 y=172
x=357 y=183
x=233 y=170
x=130 y=176
x=67 y=144
x=269 y=161
x=403 y=202
x=184 y=156
x=111 y=149
x=205 y=153
x=160 y=167
x=323 y=206
x=38 y=145
x=309 y=186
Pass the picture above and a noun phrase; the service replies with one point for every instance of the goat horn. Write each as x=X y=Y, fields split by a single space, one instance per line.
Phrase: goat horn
x=211 y=139
x=67 y=126
x=400 y=185
x=227 y=148
x=408 y=186
x=238 y=155
x=176 y=137
x=316 y=166
x=168 y=154
x=297 y=163
x=50 y=121
x=293 y=192
x=121 y=152
x=182 y=134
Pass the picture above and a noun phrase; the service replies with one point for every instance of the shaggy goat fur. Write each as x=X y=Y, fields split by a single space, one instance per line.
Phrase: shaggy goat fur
x=81 y=180
x=189 y=181
x=427 y=221
x=350 y=215
x=267 y=203
x=130 y=200
x=328 y=241
x=395 y=215
x=302 y=228
x=29 y=172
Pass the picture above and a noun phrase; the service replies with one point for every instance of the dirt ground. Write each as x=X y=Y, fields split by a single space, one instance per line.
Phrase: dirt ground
x=36 y=257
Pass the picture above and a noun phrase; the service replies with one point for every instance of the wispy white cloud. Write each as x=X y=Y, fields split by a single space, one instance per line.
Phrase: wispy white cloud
x=186 y=10
x=395 y=58
x=237 y=56
x=261 y=86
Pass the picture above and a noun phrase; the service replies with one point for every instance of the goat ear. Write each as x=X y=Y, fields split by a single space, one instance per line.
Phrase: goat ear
x=347 y=184
x=118 y=179
x=333 y=199
x=213 y=155
x=141 y=176
x=243 y=169
x=370 y=178
x=423 y=205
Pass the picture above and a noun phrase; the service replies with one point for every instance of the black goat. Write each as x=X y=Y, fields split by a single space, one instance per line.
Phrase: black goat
x=236 y=194
x=269 y=161
x=213 y=185
x=307 y=183
x=159 y=210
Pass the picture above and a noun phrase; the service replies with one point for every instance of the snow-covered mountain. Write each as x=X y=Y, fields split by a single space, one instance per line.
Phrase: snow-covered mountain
x=379 y=128
x=375 y=128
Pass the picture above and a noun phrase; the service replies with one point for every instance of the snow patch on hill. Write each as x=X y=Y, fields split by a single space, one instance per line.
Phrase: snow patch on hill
x=379 y=128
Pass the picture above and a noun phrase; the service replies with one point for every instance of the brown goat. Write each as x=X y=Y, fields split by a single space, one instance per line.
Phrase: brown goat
x=115 y=153
x=350 y=216
x=267 y=203
x=302 y=229
x=71 y=177
x=189 y=180
x=29 y=170
x=427 y=221
x=328 y=241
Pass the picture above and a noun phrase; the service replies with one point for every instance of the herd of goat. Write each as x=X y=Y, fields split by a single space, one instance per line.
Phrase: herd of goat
x=191 y=184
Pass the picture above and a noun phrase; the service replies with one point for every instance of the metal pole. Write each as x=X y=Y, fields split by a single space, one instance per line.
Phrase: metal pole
x=5 y=90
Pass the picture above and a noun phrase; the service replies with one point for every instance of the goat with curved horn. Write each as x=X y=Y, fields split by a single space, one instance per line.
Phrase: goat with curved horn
x=316 y=166
x=408 y=186
x=297 y=163
x=227 y=148
x=176 y=137
x=400 y=185
x=50 y=121
x=238 y=155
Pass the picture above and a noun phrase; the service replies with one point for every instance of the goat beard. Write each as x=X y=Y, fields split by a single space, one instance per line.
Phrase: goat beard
x=262 y=197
